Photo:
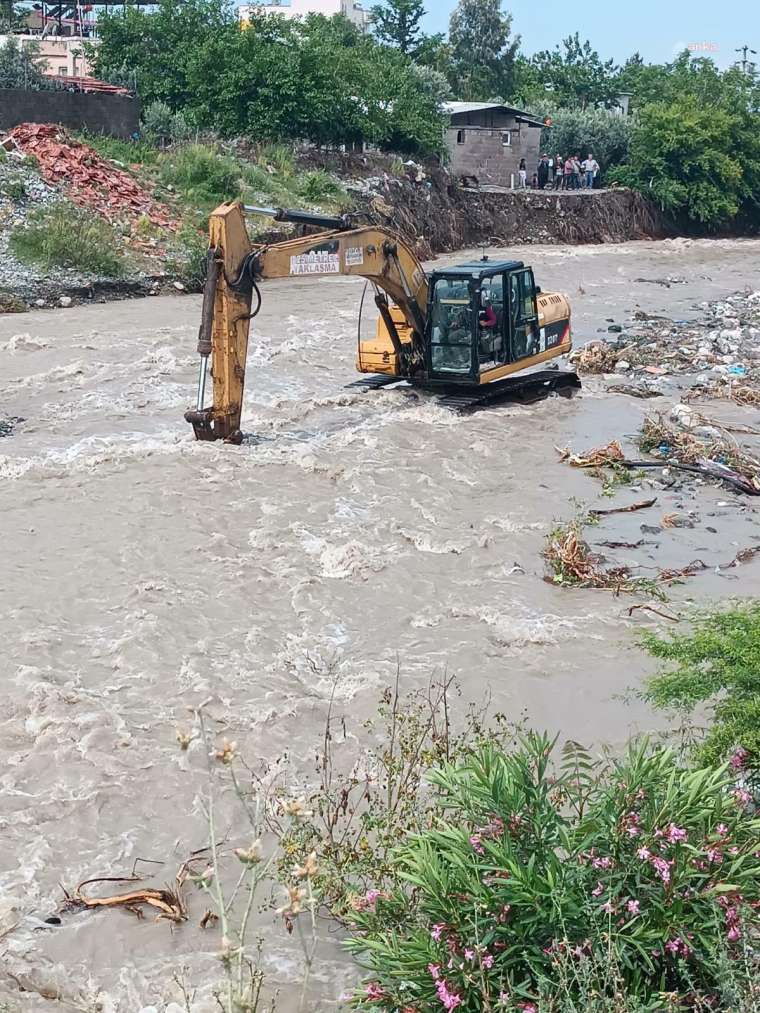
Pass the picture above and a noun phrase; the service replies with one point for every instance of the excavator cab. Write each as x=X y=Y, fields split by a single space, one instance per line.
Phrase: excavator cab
x=483 y=318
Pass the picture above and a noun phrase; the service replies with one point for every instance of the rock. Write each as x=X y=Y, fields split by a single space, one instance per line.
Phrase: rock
x=179 y=286
x=39 y=303
x=615 y=328
x=623 y=366
x=650 y=529
x=683 y=416
x=65 y=301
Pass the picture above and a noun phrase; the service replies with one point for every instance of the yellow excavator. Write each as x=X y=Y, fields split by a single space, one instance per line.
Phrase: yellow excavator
x=463 y=331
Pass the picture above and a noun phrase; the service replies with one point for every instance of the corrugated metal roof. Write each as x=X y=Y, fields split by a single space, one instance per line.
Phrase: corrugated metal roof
x=459 y=108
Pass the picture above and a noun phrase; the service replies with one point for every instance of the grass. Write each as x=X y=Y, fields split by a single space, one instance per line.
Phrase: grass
x=186 y=261
x=65 y=236
x=203 y=176
x=127 y=152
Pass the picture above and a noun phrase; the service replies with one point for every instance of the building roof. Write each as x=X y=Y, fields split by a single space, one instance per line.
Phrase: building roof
x=462 y=108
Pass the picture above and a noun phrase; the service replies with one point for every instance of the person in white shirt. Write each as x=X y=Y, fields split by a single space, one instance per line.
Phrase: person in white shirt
x=591 y=169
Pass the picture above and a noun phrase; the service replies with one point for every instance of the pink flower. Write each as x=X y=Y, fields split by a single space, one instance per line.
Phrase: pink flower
x=527 y=1007
x=598 y=891
x=677 y=835
x=469 y=954
x=739 y=759
x=644 y=854
x=633 y=831
x=435 y=971
x=374 y=991
x=437 y=931
x=721 y=830
x=504 y=997
x=634 y=907
x=714 y=856
x=476 y=842
x=449 y=1000
x=734 y=934
x=602 y=863
x=662 y=868
x=608 y=908
x=487 y=961
x=673 y=946
x=742 y=796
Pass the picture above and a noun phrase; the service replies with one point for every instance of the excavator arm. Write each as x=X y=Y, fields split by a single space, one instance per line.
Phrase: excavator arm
x=234 y=269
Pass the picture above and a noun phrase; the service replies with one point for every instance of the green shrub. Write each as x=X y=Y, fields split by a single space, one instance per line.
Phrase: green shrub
x=65 y=236
x=13 y=188
x=319 y=186
x=163 y=126
x=630 y=884
x=717 y=663
x=202 y=175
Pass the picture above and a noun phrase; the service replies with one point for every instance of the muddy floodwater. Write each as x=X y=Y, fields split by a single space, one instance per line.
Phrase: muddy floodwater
x=143 y=573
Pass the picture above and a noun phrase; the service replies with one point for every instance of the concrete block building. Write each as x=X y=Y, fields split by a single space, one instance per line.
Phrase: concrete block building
x=487 y=140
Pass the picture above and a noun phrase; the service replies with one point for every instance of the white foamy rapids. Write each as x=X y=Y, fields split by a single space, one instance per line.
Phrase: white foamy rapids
x=93 y=453
x=23 y=343
x=516 y=626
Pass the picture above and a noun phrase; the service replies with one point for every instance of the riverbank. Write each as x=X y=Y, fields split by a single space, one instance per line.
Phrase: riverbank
x=114 y=220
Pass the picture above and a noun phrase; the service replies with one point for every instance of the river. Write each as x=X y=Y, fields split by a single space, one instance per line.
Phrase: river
x=352 y=533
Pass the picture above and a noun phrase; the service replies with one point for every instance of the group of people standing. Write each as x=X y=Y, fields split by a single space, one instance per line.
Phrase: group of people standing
x=561 y=173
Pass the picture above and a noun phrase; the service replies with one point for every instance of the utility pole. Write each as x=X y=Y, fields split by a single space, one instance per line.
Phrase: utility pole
x=747 y=66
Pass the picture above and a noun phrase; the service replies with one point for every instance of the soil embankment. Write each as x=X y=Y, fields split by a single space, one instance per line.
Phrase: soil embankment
x=429 y=207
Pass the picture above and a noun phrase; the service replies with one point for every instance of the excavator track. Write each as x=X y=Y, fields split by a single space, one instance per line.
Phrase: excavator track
x=531 y=387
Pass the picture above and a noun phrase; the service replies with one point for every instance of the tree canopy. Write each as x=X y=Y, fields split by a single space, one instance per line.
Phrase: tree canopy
x=482 y=50
x=318 y=79
x=397 y=22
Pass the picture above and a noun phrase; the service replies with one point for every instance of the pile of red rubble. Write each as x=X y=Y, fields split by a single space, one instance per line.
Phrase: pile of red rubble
x=87 y=179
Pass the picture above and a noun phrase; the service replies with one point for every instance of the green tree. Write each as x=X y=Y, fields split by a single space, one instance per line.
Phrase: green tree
x=698 y=161
x=604 y=133
x=483 y=50
x=397 y=22
x=21 y=66
x=716 y=664
x=576 y=75
x=158 y=46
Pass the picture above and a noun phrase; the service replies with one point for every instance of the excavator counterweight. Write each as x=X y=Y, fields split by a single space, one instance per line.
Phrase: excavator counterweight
x=467 y=328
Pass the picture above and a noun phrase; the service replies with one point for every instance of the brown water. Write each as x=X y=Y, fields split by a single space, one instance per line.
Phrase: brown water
x=144 y=573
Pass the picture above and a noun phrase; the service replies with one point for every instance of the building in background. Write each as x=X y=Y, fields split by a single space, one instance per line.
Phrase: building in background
x=486 y=141
x=59 y=56
x=355 y=13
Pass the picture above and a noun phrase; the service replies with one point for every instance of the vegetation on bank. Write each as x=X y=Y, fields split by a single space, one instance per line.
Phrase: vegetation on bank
x=65 y=236
x=692 y=143
x=476 y=866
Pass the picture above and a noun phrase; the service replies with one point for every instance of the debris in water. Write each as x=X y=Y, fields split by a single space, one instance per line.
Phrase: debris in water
x=168 y=902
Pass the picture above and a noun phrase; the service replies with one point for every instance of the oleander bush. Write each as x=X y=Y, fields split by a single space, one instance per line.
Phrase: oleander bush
x=547 y=882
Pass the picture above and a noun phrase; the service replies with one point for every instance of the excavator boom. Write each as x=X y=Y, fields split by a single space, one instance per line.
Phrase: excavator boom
x=234 y=269
x=471 y=327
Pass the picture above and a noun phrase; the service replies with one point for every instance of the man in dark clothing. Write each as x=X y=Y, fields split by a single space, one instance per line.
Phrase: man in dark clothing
x=543 y=172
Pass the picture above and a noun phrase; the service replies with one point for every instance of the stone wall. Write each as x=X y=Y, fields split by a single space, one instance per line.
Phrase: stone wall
x=116 y=115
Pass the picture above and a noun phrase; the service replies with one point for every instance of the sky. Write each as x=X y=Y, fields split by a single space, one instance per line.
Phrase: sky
x=658 y=29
